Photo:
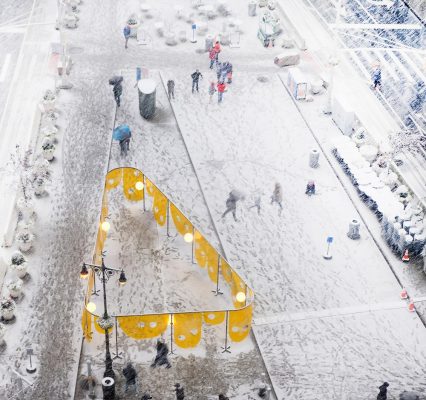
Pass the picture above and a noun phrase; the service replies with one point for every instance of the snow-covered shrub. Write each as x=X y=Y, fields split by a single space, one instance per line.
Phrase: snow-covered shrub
x=49 y=96
x=39 y=186
x=19 y=264
x=15 y=287
x=25 y=240
x=48 y=148
x=7 y=308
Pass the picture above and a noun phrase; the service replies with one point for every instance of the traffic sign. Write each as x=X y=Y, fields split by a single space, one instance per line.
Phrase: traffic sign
x=330 y=239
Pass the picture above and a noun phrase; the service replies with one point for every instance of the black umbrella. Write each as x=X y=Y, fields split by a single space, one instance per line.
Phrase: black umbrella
x=115 y=79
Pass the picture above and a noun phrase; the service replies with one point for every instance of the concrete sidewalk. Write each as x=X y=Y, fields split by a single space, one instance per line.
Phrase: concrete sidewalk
x=21 y=115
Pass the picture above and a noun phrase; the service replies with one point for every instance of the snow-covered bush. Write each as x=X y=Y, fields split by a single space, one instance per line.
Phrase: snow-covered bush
x=25 y=240
x=49 y=96
x=15 y=287
x=48 y=148
x=19 y=264
x=39 y=186
x=7 y=309
x=22 y=167
x=41 y=168
x=49 y=131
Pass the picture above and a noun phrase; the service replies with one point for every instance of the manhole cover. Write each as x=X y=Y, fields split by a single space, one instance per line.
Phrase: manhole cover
x=262 y=79
x=75 y=50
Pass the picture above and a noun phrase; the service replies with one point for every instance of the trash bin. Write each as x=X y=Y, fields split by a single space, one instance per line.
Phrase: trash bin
x=314 y=158
x=147 y=92
x=108 y=388
x=354 y=230
x=252 y=9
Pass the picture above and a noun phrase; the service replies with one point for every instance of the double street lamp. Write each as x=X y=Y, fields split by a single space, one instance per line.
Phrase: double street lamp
x=106 y=323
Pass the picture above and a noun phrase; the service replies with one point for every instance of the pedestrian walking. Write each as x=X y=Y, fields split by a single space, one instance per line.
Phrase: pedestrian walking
x=212 y=57
x=377 y=78
x=195 y=79
x=257 y=204
x=217 y=49
x=126 y=33
x=118 y=90
x=383 y=394
x=171 y=89
x=124 y=146
x=161 y=357
x=277 y=196
x=310 y=188
x=180 y=394
x=130 y=374
x=212 y=91
x=221 y=87
x=231 y=206
x=218 y=70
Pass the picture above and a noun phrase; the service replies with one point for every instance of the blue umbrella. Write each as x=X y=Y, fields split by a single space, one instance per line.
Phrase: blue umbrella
x=121 y=132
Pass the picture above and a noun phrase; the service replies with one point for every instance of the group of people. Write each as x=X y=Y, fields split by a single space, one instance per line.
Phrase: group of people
x=223 y=73
x=235 y=196
x=277 y=197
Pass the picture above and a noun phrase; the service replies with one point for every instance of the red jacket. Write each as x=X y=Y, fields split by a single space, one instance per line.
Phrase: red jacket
x=221 y=87
x=212 y=54
x=217 y=47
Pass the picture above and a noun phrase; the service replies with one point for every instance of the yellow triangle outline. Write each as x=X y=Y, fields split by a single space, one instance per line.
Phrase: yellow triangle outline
x=186 y=326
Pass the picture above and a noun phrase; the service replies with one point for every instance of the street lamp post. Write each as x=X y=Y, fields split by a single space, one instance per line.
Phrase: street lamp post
x=106 y=323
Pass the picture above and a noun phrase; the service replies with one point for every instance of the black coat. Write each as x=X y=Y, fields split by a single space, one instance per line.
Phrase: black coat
x=117 y=89
x=130 y=374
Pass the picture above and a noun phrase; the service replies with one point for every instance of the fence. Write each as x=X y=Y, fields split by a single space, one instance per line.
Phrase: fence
x=186 y=327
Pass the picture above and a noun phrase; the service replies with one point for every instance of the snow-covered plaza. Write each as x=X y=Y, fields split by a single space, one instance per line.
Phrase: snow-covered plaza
x=220 y=270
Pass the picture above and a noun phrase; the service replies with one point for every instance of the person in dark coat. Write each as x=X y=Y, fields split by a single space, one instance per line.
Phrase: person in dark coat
x=124 y=146
x=383 y=394
x=117 y=90
x=231 y=206
x=130 y=374
x=171 y=88
x=195 y=79
x=126 y=33
x=180 y=393
x=161 y=357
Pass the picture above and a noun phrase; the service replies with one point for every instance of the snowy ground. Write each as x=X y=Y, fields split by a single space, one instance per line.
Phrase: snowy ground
x=255 y=138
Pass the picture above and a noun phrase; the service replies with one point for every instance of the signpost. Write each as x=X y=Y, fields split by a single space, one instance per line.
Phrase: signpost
x=327 y=255
x=194 y=27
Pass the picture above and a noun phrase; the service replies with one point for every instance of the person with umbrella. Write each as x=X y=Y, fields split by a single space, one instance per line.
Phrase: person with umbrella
x=117 y=89
x=123 y=134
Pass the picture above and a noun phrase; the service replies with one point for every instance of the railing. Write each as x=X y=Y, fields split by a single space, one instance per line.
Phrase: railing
x=185 y=327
